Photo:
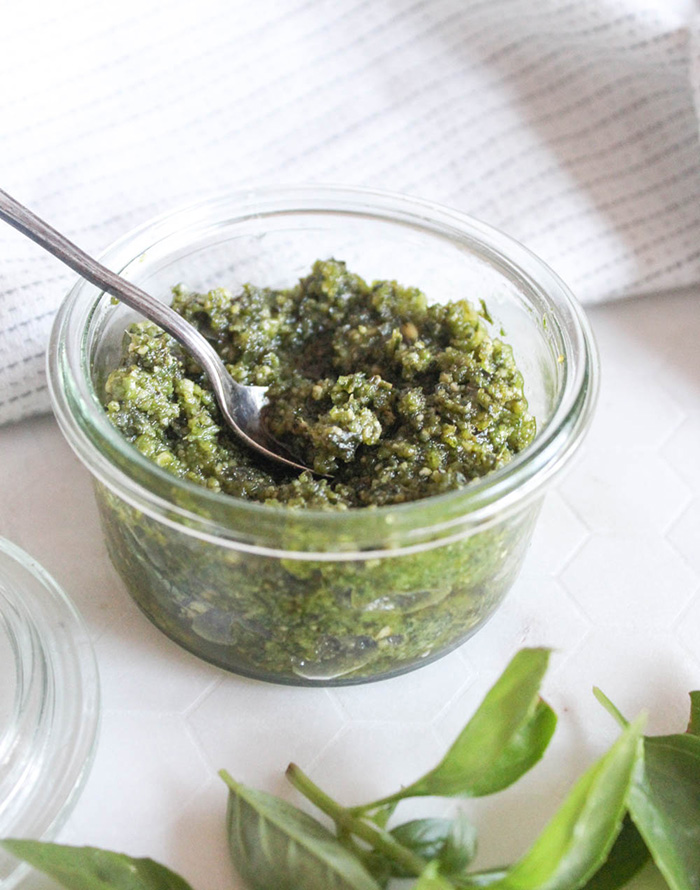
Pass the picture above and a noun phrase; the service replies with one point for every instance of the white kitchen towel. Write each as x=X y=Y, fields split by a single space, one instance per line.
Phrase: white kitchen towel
x=570 y=124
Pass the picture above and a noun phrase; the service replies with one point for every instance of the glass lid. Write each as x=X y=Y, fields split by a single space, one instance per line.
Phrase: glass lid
x=49 y=702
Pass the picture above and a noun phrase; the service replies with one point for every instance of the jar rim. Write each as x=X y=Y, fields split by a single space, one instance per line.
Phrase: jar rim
x=88 y=430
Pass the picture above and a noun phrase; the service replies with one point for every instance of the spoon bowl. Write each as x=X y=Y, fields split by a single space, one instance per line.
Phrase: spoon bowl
x=240 y=405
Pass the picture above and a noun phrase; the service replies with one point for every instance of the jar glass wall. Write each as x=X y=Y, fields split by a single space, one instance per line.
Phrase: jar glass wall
x=304 y=596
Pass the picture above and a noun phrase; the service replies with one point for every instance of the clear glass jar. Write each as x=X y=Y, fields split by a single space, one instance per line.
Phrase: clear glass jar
x=49 y=701
x=304 y=596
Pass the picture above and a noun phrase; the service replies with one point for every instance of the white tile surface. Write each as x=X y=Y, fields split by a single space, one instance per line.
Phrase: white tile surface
x=135 y=659
x=682 y=450
x=558 y=535
x=372 y=758
x=652 y=506
x=630 y=581
x=612 y=581
x=243 y=717
x=146 y=771
x=410 y=698
x=684 y=536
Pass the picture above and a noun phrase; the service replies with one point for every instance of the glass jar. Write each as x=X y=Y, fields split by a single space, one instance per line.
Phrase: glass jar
x=49 y=700
x=323 y=597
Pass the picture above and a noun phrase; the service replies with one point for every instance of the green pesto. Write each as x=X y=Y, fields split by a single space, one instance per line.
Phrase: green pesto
x=313 y=621
x=396 y=399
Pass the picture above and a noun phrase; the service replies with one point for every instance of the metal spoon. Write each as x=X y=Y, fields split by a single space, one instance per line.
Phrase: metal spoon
x=240 y=405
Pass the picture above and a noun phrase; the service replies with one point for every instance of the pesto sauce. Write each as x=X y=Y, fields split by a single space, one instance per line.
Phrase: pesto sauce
x=394 y=398
x=398 y=399
x=313 y=621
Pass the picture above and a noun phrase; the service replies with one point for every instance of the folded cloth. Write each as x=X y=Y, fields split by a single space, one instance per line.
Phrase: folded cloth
x=570 y=124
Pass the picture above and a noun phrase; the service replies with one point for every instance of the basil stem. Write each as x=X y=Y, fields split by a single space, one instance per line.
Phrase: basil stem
x=380 y=839
x=431 y=879
x=609 y=706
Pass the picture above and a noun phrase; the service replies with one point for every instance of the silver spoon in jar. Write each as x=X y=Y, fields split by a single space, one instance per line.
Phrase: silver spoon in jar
x=239 y=404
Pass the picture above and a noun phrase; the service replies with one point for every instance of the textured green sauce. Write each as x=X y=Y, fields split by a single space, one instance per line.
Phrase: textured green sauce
x=311 y=621
x=396 y=399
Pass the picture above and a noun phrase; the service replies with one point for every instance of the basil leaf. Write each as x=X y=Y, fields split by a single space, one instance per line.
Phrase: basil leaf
x=694 y=722
x=378 y=866
x=450 y=842
x=88 y=868
x=275 y=845
x=431 y=879
x=507 y=735
x=459 y=848
x=664 y=803
x=381 y=815
x=481 y=878
x=628 y=855
x=576 y=842
x=425 y=837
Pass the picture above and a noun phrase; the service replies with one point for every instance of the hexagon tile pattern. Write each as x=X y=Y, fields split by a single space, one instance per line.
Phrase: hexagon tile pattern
x=612 y=583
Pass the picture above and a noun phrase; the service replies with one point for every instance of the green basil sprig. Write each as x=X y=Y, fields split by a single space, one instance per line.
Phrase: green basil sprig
x=640 y=800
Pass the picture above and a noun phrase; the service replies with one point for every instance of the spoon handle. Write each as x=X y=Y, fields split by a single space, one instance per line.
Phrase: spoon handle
x=22 y=219
x=31 y=225
x=240 y=405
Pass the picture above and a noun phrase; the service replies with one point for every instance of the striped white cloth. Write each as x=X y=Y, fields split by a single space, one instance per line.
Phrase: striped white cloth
x=571 y=124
